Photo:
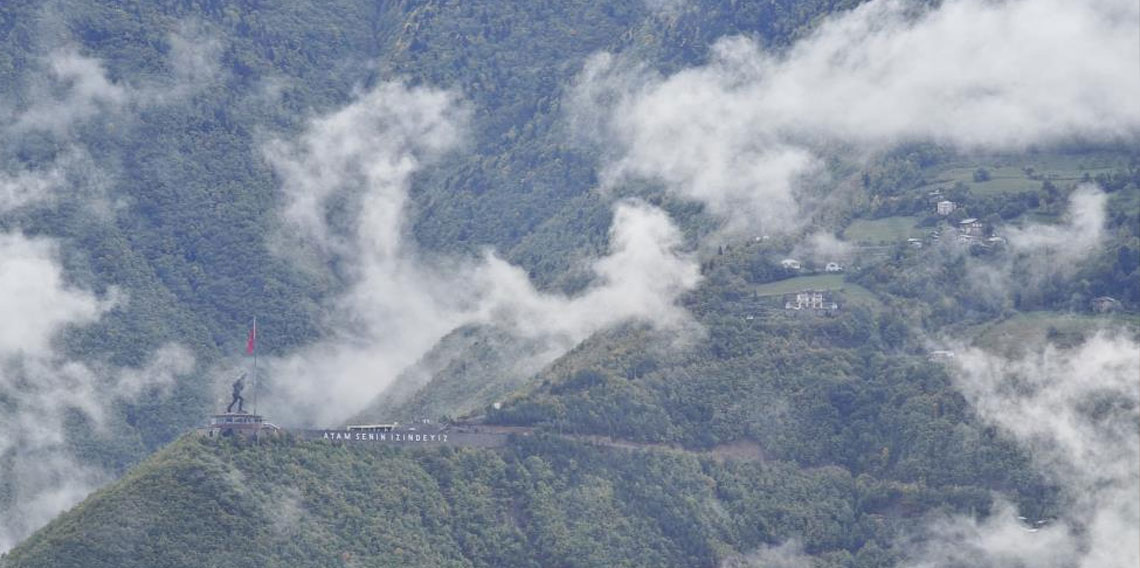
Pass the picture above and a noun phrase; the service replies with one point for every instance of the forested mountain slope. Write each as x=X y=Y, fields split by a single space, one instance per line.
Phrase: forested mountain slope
x=540 y=502
x=844 y=238
x=133 y=160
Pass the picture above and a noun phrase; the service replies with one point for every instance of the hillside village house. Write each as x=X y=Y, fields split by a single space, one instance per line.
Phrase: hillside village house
x=945 y=207
x=970 y=230
x=790 y=264
x=810 y=300
x=971 y=227
x=942 y=355
x=833 y=267
x=1105 y=304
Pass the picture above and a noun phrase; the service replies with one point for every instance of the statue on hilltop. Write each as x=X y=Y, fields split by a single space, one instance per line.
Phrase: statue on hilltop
x=239 y=400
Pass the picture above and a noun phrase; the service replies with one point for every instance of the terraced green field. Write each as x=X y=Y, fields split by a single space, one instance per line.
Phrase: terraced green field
x=883 y=231
x=1010 y=175
x=833 y=282
x=1033 y=327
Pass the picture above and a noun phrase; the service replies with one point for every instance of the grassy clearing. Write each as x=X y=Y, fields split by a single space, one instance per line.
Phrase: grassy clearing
x=1032 y=328
x=857 y=294
x=832 y=282
x=885 y=230
x=792 y=285
x=1009 y=175
x=1005 y=179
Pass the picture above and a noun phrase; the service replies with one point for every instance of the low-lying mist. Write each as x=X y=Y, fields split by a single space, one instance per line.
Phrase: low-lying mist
x=46 y=395
x=1077 y=411
x=743 y=132
x=346 y=181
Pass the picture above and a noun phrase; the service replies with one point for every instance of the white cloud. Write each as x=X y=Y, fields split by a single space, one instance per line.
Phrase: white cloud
x=739 y=132
x=76 y=89
x=396 y=308
x=39 y=387
x=823 y=247
x=402 y=301
x=195 y=55
x=366 y=150
x=639 y=279
x=1066 y=243
x=165 y=365
x=999 y=540
x=34 y=298
x=1040 y=252
x=46 y=484
x=24 y=188
x=787 y=555
x=667 y=7
x=73 y=175
x=1077 y=412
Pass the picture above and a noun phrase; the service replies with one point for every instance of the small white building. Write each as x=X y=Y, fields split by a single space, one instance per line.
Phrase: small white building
x=1105 y=304
x=810 y=300
x=914 y=242
x=945 y=207
x=942 y=355
x=971 y=227
x=790 y=264
x=833 y=267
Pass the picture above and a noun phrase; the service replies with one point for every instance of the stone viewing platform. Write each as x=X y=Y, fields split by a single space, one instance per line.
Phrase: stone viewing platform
x=241 y=423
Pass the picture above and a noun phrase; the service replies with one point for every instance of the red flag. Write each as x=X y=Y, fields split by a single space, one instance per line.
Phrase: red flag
x=252 y=341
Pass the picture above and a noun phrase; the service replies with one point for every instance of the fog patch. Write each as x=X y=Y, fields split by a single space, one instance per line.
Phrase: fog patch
x=75 y=88
x=73 y=93
x=998 y=540
x=165 y=365
x=346 y=182
x=641 y=275
x=1065 y=244
x=24 y=188
x=667 y=7
x=42 y=390
x=790 y=554
x=195 y=56
x=285 y=512
x=364 y=154
x=741 y=133
x=822 y=247
x=35 y=299
x=46 y=395
x=1077 y=411
x=1039 y=252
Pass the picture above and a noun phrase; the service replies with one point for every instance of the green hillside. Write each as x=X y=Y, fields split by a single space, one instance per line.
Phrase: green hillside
x=741 y=426
x=539 y=502
x=188 y=240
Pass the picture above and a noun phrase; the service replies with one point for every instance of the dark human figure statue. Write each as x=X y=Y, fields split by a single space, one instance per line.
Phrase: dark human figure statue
x=239 y=385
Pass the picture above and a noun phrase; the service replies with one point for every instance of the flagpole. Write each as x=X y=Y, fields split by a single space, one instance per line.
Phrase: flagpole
x=255 y=365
